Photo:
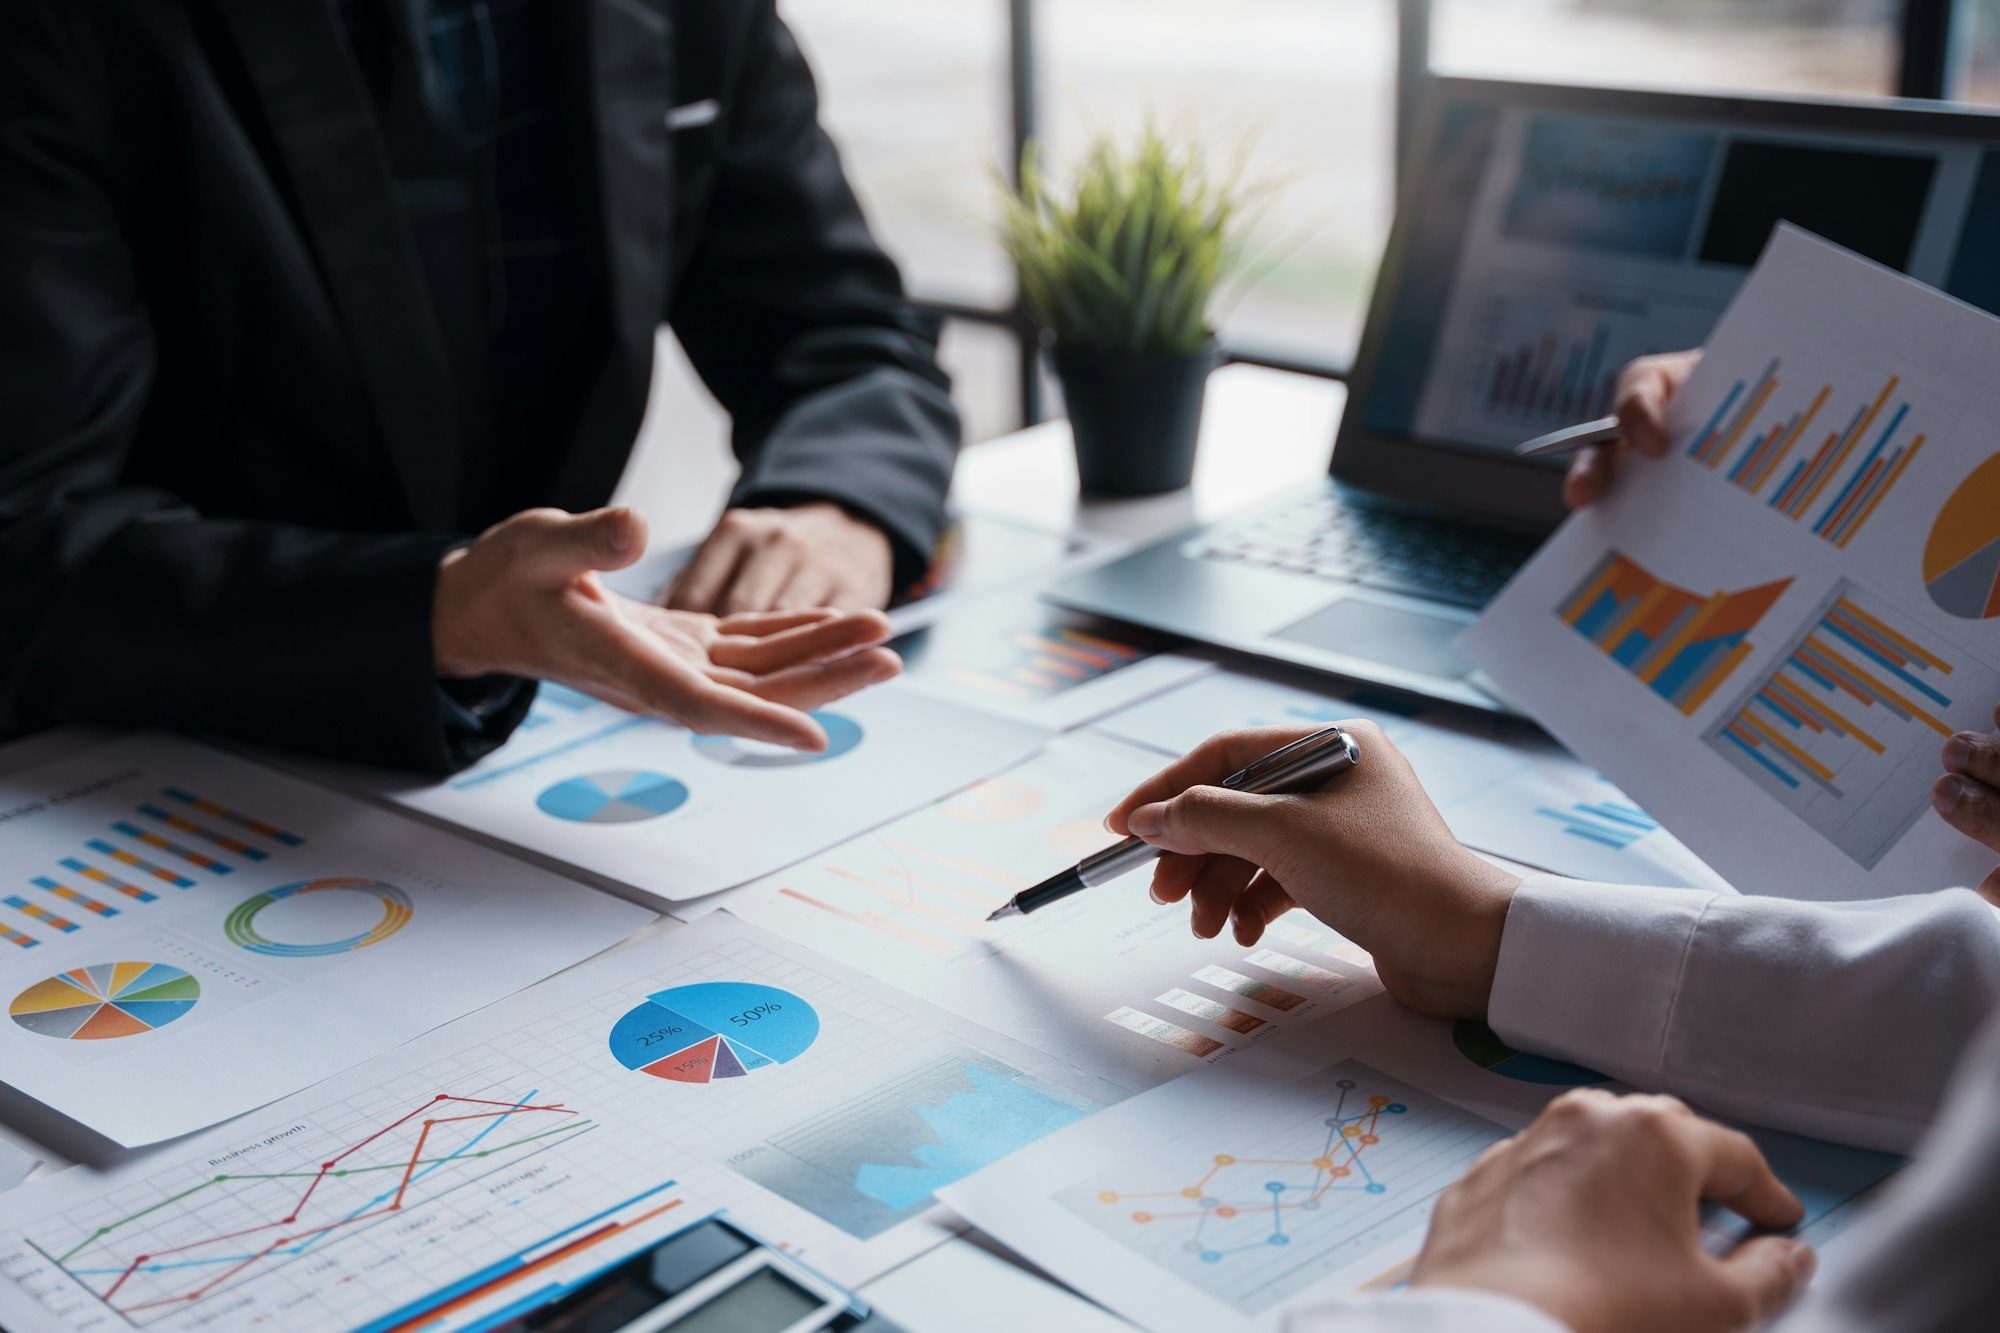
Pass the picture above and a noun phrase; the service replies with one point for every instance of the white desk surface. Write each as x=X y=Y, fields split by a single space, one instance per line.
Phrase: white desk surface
x=1263 y=432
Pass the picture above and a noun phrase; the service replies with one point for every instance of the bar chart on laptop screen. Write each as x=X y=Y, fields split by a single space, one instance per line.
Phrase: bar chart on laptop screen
x=1845 y=728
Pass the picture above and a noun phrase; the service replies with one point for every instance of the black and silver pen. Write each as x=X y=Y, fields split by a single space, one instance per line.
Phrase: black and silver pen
x=1299 y=766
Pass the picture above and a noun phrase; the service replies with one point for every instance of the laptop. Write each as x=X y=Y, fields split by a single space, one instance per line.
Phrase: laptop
x=1546 y=236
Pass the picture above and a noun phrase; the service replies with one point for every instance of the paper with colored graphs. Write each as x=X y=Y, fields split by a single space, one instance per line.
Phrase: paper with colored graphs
x=1501 y=788
x=514 y=1154
x=1108 y=980
x=1767 y=635
x=1013 y=654
x=675 y=815
x=185 y=935
x=1304 y=1171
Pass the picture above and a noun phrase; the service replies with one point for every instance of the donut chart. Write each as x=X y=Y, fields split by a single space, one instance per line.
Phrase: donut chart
x=843 y=733
x=105 y=1001
x=714 y=1030
x=623 y=796
x=241 y=924
x=1962 y=556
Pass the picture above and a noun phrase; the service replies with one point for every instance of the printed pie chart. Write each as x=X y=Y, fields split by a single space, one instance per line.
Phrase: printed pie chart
x=105 y=1000
x=624 y=796
x=1481 y=1045
x=714 y=1030
x=1962 y=557
x=843 y=733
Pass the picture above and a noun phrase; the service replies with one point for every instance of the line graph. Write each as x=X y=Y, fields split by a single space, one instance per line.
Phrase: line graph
x=179 y=1250
x=1312 y=1180
x=1340 y=1165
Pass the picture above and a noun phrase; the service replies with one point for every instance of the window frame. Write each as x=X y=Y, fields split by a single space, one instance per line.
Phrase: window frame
x=1933 y=59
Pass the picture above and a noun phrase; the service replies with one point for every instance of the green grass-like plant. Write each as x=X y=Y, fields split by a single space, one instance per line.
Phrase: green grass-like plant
x=1130 y=256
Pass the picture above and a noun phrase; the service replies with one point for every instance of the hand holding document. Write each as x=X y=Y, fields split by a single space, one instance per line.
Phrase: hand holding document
x=1305 y=1171
x=1767 y=635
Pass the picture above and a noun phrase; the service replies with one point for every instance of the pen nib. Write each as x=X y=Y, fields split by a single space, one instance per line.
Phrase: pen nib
x=1003 y=911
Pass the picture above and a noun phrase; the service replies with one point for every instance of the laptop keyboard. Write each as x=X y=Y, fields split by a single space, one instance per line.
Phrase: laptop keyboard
x=1325 y=537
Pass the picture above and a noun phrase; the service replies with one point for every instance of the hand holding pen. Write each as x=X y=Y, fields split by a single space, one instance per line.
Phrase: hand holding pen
x=1366 y=853
x=1299 y=764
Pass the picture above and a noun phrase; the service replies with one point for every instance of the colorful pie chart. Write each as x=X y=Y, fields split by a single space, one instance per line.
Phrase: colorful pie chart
x=105 y=1000
x=843 y=733
x=1962 y=557
x=714 y=1030
x=622 y=797
x=1481 y=1045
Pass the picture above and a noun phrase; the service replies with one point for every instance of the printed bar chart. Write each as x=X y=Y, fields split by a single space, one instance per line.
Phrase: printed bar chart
x=39 y=913
x=108 y=880
x=1614 y=824
x=1844 y=731
x=67 y=894
x=1761 y=453
x=236 y=817
x=1681 y=644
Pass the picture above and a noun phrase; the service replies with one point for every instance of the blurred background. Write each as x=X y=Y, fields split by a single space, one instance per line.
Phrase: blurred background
x=929 y=100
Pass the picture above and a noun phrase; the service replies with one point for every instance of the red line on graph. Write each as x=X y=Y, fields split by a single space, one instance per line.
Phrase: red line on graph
x=326 y=1168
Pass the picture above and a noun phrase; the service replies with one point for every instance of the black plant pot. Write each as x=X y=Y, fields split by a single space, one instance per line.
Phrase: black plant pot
x=1135 y=415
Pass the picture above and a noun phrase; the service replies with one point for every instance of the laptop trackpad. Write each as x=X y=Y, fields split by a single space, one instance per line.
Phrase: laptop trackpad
x=1386 y=634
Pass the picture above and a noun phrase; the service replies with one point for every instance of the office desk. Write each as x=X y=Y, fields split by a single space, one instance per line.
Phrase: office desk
x=1263 y=432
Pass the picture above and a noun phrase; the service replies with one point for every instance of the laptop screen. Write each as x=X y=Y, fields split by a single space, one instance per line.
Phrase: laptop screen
x=1555 y=241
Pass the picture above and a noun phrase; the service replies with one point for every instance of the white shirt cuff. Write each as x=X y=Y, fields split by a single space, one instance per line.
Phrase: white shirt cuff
x=1589 y=972
x=1425 y=1310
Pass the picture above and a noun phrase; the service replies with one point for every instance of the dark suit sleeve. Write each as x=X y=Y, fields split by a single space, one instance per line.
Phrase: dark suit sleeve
x=122 y=604
x=798 y=322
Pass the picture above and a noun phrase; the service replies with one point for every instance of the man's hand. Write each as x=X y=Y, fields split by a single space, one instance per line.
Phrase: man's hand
x=1968 y=795
x=1591 y=1214
x=784 y=559
x=1645 y=387
x=525 y=600
x=1369 y=855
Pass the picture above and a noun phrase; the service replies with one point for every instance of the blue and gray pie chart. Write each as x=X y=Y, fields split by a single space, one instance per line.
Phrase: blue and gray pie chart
x=623 y=796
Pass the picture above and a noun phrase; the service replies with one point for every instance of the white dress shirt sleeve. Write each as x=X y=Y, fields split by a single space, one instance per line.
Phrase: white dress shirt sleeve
x=1840 y=1020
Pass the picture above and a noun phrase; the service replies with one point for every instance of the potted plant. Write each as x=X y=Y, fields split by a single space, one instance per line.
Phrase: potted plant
x=1120 y=271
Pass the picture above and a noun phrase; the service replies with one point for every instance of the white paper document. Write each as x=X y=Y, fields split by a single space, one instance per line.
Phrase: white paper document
x=1767 y=635
x=185 y=935
x=1305 y=1170
x=521 y=1150
x=1107 y=980
x=676 y=815
x=1012 y=654
x=1501 y=788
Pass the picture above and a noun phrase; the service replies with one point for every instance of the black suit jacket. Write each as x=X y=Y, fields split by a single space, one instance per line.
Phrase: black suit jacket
x=229 y=458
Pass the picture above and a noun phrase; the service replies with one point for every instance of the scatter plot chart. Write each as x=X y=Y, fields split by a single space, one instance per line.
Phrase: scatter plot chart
x=1318 y=1177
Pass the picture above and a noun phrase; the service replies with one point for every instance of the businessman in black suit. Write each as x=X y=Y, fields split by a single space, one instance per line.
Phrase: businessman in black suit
x=298 y=296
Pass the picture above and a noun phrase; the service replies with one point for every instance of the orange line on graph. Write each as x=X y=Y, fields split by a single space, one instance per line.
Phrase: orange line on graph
x=1900 y=641
x=895 y=930
x=1933 y=723
x=1895 y=475
x=1811 y=764
x=1847 y=447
